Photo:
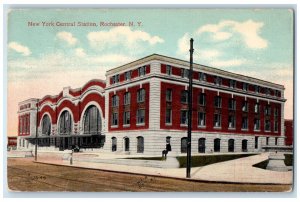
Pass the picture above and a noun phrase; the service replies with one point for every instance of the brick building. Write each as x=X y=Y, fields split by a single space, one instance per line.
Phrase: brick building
x=142 y=106
x=289 y=131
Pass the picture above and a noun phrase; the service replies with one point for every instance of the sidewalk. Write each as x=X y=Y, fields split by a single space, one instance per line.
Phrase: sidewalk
x=234 y=171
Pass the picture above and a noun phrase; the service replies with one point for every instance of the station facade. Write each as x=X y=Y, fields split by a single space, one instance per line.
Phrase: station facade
x=142 y=106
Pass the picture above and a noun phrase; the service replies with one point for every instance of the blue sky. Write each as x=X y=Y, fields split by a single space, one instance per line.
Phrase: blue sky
x=42 y=60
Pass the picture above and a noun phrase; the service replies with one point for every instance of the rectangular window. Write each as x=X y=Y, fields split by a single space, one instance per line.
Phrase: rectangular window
x=267 y=125
x=168 y=116
x=276 y=112
x=184 y=96
x=169 y=70
x=268 y=91
x=126 y=118
x=257 y=89
x=184 y=117
x=276 y=126
x=217 y=120
x=127 y=98
x=202 y=76
x=218 y=80
x=169 y=95
x=201 y=119
x=116 y=78
x=218 y=102
x=256 y=142
x=142 y=71
x=245 y=123
x=202 y=99
x=268 y=110
x=140 y=116
x=115 y=101
x=141 y=95
x=185 y=73
x=256 y=124
x=114 y=119
x=232 y=83
x=231 y=104
x=267 y=140
x=245 y=86
x=256 y=108
x=231 y=121
x=276 y=140
x=245 y=106
x=127 y=76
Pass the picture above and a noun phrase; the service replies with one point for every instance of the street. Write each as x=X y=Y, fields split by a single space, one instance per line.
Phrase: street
x=25 y=175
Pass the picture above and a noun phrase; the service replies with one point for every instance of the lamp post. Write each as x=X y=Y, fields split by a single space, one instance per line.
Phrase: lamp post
x=36 y=131
x=189 y=133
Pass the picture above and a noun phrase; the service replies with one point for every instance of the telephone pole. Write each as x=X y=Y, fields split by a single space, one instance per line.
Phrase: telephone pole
x=190 y=99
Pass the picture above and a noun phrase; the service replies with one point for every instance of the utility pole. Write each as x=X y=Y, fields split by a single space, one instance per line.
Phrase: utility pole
x=36 y=131
x=190 y=99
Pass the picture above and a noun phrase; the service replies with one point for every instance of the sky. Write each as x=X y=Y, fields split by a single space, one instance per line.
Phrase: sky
x=44 y=59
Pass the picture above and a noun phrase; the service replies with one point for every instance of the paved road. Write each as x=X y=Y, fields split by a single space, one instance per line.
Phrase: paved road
x=25 y=175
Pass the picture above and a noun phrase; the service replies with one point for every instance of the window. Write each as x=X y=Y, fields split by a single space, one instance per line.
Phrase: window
x=244 y=145
x=202 y=99
x=268 y=91
x=185 y=73
x=245 y=123
x=232 y=83
x=277 y=93
x=126 y=118
x=276 y=111
x=267 y=140
x=142 y=71
x=267 y=125
x=218 y=80
x=140 y=144
x=201 y=145
x=184 y=117
x=276 y=140
x=115 y=119
x=231 y=121
x=127 y=98
x=217 y=120
x=256 y=142
x=113 y=144
x=217 y=145
x=218 y=101
x=202 y=76
x=92 y=121
x=276 y=126
x=169 y=70
x=201 y=119
x=65 y=123
x=257 y=89
x=140 y=116
x=169 y=95
x=127 y=76
x=245 y=106
x=268 y=110
x=245 y=86
x=141 y=95
x=231 y=145
x=115 y=101
x=116 y=78
x=46 y=125
x=168 y=116
x=183 y=145
x=126 y=143
x=232 y=104
x=256 y=124
x=256 y=108
x=184 y=96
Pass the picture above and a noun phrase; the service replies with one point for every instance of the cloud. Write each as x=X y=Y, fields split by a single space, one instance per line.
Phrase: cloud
x=67 y=37
x=80 y=52
x=227 y=63
x=121 y=36
x=19 y=48
x=249 y=30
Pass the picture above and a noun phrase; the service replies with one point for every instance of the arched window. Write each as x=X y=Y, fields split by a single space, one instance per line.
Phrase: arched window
x=126 y=143
x=201 y=145
x=244 y=145
x=140 y=144
x=46 y=125
x=113 y=144
x=65 y=123
x=168 y=144
x=217 y=145
x=92 y=120
x=231 y=145
x=183 y=145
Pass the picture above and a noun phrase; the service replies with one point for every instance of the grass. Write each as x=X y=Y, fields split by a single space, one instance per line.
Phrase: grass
x=198 y=161
x=288 y=161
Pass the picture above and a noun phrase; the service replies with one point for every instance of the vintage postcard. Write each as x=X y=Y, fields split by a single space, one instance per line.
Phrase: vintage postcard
x=150 y=100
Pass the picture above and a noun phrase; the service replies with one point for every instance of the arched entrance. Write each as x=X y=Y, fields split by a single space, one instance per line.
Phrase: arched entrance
x=231 y=145
x=126 y=144
x=183 y=145
x=201 y=145
x=65 y=130
x=140 y=144
x=217 y=145
x=244 y=145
